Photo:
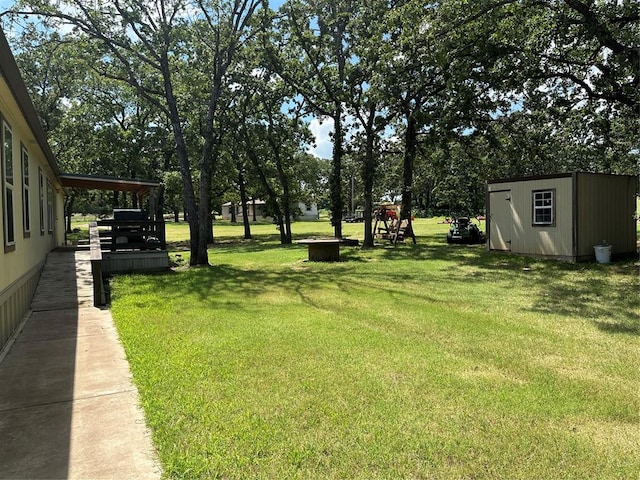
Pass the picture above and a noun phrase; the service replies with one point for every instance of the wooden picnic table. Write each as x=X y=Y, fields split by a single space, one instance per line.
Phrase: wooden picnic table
x=326 y=249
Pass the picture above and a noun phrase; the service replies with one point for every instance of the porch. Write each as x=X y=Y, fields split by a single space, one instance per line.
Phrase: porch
x=125 y=246
x=129 y=242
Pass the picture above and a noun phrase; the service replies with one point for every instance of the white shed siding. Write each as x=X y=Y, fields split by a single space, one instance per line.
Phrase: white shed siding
x=526 y=238
x=589 y=208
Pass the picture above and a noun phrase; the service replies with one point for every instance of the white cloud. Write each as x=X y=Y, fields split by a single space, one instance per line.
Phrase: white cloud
x=323 y=144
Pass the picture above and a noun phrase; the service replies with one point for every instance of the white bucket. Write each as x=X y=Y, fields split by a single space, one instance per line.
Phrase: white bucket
x=603 y=253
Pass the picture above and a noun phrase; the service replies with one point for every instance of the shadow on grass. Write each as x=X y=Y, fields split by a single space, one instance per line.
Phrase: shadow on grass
x=604 y=294
x=258 y=243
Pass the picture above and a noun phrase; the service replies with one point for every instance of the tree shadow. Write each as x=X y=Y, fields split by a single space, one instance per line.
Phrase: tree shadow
x=38 y=378
x=584 y=290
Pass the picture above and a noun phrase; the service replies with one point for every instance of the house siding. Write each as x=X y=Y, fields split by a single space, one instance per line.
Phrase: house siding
x=20 y=265
x=15 y=301
x=306 y=212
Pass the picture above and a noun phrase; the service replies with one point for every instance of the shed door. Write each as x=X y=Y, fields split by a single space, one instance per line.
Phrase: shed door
x=500 y=220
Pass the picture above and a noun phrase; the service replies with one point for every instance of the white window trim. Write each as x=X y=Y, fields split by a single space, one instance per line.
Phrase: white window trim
x=50 y=207
x=43 y=225
x=26 y=191
x=534 y=208
x=8 y=216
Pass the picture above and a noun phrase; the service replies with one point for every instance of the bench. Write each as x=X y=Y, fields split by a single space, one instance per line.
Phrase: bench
x=326 y=249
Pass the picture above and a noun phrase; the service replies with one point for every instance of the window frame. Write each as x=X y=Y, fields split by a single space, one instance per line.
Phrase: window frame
x=50 y=207
x=43 y=225
x=26 y=191
x=8 y=187
x=537 y=195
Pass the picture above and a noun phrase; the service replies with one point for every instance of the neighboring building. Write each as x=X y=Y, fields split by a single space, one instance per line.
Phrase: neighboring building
x=562 y=216
x=302 y=211
x=31 y=200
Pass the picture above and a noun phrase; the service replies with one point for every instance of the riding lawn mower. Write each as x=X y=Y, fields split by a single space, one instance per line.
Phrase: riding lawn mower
x=462 y=230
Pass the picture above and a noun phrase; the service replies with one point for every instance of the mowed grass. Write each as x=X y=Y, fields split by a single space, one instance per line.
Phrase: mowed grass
x=413 y=361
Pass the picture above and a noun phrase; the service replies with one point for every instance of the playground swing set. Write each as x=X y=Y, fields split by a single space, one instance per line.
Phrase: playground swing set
x=389 y=226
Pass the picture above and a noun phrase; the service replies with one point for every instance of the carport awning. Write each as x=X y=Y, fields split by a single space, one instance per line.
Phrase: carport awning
x=93 y=182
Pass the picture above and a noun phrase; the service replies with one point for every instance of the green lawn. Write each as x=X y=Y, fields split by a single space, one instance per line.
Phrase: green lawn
x=414 y=361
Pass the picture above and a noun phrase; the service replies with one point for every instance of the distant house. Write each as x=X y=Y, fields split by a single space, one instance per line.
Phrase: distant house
x=31 y=200
x=562 y=216
x=302 y=211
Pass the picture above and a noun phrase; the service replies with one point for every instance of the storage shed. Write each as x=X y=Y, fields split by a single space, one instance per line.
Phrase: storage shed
x=562 y=216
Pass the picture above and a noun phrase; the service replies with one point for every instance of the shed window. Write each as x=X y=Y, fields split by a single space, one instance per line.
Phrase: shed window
x=7 y=187
x=544 y=207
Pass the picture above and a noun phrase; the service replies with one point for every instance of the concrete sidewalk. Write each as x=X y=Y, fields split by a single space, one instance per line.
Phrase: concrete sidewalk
x=68 y=408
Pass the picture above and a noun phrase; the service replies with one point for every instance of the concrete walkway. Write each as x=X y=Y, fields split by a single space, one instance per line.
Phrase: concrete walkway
x=68 y=408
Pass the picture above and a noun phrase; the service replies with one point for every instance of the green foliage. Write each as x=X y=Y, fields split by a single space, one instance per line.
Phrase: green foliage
x=428 y=100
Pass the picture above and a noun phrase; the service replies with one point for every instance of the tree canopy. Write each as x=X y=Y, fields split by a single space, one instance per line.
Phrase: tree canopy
x=427 y=100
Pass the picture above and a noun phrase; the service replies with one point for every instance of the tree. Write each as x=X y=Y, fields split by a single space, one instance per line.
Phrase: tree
x=582 y=50
x=157 y=48
x=310 y=51
x=173 y=193
x=271 y=138
x=367 y=102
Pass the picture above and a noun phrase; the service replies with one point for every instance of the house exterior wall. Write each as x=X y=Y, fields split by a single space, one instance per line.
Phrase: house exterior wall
x=306 y=212
x=605 y=211
x=514 y=221
x=21 y=260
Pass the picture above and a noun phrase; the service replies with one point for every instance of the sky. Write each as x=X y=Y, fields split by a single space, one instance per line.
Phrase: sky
x=323 y=145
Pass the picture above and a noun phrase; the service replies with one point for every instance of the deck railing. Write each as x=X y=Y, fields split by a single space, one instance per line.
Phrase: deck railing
x=99 y=294
x=142 y=238
x=132 y=235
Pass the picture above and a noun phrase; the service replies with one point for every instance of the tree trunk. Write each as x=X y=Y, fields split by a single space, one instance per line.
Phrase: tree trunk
x=271 y=194
x=190 y=207
x=68 y=210
x=286 y=202
x=368 y=176
x=410 y=149
x=244 y=200
x=210 y=238
x=335 y=183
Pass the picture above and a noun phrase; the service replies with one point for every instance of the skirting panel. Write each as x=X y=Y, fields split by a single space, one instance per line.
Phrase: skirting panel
x=137 y=261
x=14 y=303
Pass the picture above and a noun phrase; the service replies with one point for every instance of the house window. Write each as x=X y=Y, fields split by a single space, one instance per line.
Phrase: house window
x=50 y=218
x=544 y=207
x=41 y=195
x=7 y=187
x=26 y=204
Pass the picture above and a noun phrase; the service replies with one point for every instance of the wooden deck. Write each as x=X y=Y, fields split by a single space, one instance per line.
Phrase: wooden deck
x=124 y=247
